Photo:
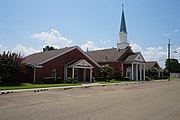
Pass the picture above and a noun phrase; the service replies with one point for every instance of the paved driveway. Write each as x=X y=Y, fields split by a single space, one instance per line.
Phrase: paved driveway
x=148 y=101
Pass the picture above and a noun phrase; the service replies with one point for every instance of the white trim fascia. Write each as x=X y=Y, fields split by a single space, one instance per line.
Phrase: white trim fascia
x=88 y=56
x=82 y=67
x=37 y=66
x=139 y=53
x=76 y=64
x=69 y=51
x=57 y=56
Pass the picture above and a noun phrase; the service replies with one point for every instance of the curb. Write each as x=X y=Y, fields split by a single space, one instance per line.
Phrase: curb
x=66 y=87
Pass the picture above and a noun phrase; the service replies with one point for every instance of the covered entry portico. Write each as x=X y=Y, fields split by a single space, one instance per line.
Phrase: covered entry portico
x=80 y=70
x=134 y=70
x=134 y=67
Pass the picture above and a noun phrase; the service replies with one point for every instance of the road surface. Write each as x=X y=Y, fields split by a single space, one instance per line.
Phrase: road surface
x=148 y=101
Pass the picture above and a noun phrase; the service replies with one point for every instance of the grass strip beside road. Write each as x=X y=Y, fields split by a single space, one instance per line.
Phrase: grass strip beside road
x=30 y=86
x=175 y=78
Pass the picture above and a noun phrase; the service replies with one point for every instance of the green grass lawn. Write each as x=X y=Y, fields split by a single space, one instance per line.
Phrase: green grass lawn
x=175 y=78
x=29 y=86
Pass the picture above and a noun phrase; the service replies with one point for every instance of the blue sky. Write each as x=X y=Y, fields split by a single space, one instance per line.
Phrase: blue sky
x=27 y=26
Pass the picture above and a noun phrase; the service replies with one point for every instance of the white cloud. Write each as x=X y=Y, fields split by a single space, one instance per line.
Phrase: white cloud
x=24 y=50
x=155 y=54
x=105 y=41
x=152 y=53
x=52 y=38
x=175 y=30
x=136 y=47
x=166 y=34
x=90 y=46
x=176 y=53
x=170 y=33
x=2 y=48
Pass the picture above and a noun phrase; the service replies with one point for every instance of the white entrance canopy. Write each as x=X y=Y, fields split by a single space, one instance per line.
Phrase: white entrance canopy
x=83 y=64
x=137 y=69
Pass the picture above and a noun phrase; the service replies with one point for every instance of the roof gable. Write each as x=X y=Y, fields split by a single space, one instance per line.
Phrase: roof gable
x=108 y=55
x=135 y=57
x=139 y=57
x=81 y=63
x=43 y=57
x=151 y=64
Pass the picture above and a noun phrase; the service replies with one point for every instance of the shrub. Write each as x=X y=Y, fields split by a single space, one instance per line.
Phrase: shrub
x=126 y=79
x=70 y=80
x=93 y=79
x=112 y=81
x=52 y=80
x=59 y=80
x=117 y=74
x=105 y=71
x=147 y=78
x=99 y=79
x=11 y=64
x=49 y=80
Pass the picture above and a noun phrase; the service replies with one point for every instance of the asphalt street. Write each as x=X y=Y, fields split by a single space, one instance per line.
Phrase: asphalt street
x=147 y=101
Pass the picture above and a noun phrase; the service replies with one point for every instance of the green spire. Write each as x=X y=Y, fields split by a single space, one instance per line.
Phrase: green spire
x=123 y=22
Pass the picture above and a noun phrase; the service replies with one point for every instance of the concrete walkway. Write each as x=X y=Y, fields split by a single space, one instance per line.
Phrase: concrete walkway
x=85 y=84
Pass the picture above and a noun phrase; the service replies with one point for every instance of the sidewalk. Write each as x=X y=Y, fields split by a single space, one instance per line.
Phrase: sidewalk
x=80 y=86
x=85 y=84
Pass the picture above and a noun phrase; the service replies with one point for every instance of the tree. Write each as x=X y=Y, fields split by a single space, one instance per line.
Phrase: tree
x=166 y=73
x=10 y=64
x=105 y=71
x=48 y=48
x=172 y=65
x=152 y=72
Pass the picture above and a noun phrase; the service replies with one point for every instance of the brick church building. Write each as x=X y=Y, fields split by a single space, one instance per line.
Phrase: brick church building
x=82 y=66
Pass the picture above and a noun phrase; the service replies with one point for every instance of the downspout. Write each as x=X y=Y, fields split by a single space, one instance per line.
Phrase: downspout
x=34 y=80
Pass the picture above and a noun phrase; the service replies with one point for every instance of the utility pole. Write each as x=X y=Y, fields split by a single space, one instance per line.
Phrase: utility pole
x=169 y=55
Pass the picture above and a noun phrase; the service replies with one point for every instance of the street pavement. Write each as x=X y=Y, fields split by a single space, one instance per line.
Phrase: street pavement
x=148 y=101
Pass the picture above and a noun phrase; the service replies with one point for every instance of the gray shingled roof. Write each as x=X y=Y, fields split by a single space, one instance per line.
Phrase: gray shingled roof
x=107 y=55
x=151 y=64
x=131 y=58
x=38 y=58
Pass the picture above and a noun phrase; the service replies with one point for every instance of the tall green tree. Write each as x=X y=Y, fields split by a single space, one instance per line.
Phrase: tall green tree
x=10 y=64
x=153 y=72
x=172 y=65
x=48 y=48
x=105 y=71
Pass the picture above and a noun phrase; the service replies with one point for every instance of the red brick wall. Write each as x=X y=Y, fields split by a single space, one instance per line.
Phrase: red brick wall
x=59 y=62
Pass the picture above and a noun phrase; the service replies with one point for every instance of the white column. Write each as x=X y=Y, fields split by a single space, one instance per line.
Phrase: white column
x=122 y=70
x=140 y=72
x=65 y=73
x=132 y=76
x=136 y=72
x=91 y=75
x=73 y=72
x=84 y=74
x=144 y=72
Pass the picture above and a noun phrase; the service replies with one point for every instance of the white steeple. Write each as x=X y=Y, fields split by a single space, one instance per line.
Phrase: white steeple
x=122 y=43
